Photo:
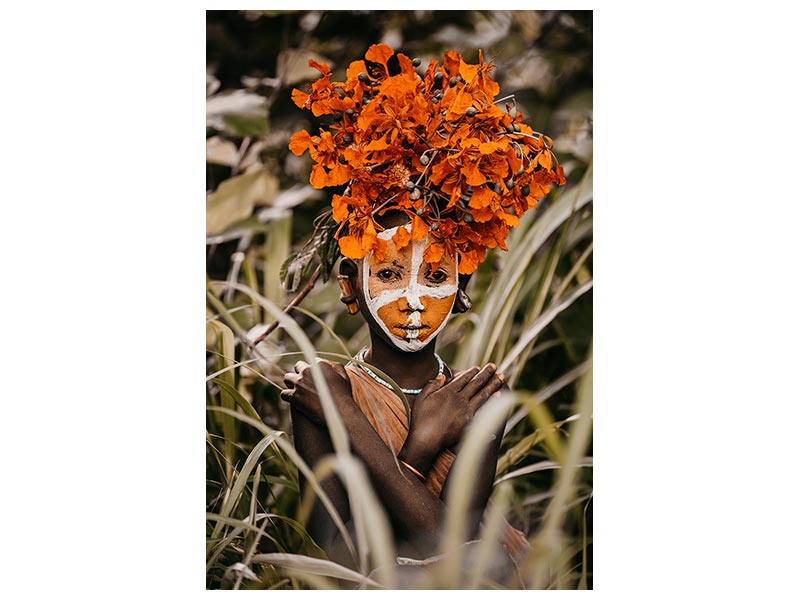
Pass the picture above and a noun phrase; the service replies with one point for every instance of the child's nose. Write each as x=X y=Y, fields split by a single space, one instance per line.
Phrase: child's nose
x=412 y=302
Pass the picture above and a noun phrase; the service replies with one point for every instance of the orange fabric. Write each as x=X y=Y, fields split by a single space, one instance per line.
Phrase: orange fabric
x=387 y=415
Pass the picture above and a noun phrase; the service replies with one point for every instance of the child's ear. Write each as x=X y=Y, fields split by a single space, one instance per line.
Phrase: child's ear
x=463 y=302
x=349 y=268
x=348 y=283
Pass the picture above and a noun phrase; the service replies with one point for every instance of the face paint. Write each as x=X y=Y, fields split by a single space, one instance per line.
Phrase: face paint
x=409 y=303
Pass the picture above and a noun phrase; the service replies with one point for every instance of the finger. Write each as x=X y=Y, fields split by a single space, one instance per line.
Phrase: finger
x=480 y=380
x=329 y=366
x=486 y=392
x=300 y=366
x=291 y=379
x=287 y=395
x=459 y=381
x=434 y=384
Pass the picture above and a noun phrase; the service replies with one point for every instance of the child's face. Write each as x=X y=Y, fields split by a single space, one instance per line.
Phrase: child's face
x=408 y=301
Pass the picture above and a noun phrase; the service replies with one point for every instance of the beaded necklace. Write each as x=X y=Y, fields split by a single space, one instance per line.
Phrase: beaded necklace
x=361 y=356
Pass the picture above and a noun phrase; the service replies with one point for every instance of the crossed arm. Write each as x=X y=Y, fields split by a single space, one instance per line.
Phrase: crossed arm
x=441 y=412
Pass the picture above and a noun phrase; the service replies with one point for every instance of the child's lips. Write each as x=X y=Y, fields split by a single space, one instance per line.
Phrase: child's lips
x=413 y=327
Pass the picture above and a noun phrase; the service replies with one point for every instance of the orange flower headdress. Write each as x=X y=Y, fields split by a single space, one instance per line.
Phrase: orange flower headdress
x=436 y=147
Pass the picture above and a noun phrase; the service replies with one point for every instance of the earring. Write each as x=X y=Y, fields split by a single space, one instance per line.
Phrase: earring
x=347 y=296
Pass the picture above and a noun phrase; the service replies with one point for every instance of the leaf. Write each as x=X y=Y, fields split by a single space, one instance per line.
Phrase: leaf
x=316 y=566
x=461 y=481
x=241 y=402
x=328 y=253
x=540 y=323
x=241 y=126
x=221 y=152
x=285 y=266
x=234 y=105
x=544 y=465
x=240 y=481
x=236 y=197
x=294 y=271
x=226 y=348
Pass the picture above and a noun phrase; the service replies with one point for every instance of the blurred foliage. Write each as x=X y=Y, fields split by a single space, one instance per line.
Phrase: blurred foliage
x=261 y=209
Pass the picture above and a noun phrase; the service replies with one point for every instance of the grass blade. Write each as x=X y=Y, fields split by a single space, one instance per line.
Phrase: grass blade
x=241 y=478
x=485 y=423
x=298 y=563
x=549 y=541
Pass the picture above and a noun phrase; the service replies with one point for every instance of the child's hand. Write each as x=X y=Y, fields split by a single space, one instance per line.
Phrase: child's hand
x=442 y=411
x=301 y=392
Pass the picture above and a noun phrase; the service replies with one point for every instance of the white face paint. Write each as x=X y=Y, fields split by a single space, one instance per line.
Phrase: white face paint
x=409 y=303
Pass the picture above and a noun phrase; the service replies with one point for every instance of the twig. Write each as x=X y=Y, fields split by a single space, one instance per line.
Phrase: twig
x=504 y=98
x=297 y=300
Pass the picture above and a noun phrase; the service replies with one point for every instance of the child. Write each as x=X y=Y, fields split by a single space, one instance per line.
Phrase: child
x=436 y=174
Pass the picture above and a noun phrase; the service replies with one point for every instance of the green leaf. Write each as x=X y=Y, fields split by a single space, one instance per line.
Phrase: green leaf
x=296 y=271
x=241 y=478
x=241 y=402
x=237 y=112
x=285 y=266
x=328 y=253
x=235 y=199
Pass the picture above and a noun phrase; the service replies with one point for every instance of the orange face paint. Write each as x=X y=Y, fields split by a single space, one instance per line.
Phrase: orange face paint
x=409 y=301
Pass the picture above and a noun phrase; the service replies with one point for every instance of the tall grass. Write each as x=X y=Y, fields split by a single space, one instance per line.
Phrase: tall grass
x=531 y=315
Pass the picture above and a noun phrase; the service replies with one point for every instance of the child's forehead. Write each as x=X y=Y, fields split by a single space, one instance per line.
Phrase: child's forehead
x=401 y=257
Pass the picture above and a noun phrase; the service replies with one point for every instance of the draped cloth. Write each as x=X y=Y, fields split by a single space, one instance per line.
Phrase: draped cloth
x=386 y=413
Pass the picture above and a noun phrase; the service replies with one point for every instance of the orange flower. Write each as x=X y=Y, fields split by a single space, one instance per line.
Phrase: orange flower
x=435 y=146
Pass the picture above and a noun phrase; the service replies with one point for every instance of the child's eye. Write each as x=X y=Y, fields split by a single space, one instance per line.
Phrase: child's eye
x=438 y=276
x=386 y=275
